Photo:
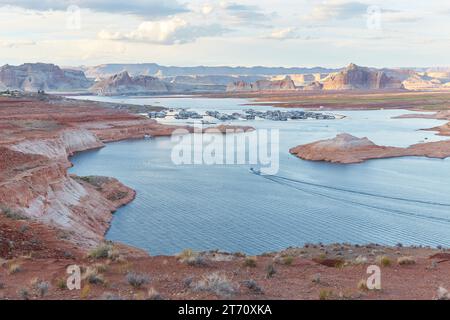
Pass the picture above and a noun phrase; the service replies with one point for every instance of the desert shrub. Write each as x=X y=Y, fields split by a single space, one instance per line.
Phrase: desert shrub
x=101 y=252
x=12 y=214
x=85 y=291
x=362 y=285
x=360 y=260
x=216 y=283
x=250 y=262
x=110 y=296
x=191 y=258
x=137 y=280
x=253 y=286
x=104 y=251
x=14 y=268
x=384 y=261
x=316 y=278
x=41 y=288
x=61 y=283
x=404 y=261
x=24 y=294
x=325 y=294
x=93 y=277
x=287 y=260
x=270 y=270
x=154 y=295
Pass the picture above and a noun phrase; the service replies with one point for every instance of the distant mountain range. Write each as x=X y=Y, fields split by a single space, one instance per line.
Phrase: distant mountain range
x=153 y=69
x=123 y=79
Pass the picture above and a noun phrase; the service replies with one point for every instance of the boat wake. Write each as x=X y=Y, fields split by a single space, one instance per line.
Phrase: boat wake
x=297 y=184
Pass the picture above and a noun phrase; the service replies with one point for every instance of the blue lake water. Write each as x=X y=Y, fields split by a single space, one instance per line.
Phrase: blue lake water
x=226 y=207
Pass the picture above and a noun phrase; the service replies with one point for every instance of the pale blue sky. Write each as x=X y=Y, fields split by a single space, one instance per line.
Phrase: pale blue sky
x=328 y=33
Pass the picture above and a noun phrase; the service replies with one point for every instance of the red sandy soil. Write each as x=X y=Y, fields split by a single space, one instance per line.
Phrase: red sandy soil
x=299 y=274
x=36 y=244
x=348 y=149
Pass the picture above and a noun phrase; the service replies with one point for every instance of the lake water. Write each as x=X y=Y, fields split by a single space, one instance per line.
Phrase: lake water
x=227 y=207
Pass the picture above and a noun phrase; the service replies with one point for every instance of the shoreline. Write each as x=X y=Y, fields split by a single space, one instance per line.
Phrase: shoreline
x=41 y=139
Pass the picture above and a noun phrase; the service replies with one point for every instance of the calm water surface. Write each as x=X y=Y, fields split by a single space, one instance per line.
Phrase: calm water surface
x=226 y=207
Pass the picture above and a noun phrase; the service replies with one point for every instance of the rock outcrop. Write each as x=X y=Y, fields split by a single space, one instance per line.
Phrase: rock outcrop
x=262 y=85
x=359 y=78
x=37 y=139
x=347 y=149
x=123 y=83
x=33 y=77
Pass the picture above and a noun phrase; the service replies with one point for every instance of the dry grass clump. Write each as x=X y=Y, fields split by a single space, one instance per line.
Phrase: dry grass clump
x=14 y=268
x=191 y=258
x=405 y=261
x=270 y=271
x=40 y=287
x=104 y=251
x=152 y=294
x=384 y=261
x=12 y=214
x=250 y=262
x=93 y=276
x=253 y=286
x=362 y=285
x=325 y=294
x=216 y=283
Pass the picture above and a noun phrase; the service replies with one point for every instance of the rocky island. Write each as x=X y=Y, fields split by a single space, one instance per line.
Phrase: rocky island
x=347 y=149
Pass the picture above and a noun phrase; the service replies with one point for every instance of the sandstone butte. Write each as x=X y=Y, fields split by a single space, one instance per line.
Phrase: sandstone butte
x=347 y=149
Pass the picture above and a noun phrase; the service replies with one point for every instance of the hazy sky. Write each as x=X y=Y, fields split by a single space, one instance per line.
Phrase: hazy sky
x=328 y=33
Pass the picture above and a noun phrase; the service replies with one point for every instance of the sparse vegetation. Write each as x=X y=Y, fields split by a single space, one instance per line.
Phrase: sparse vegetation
x=253 y=286
x=216 y=283
x=191 y=258
x=85 y=291
x=93 y=277
x=316 y=278
x=325 y=294
x=250 y=262
x=362 y=285
x=12 y=214
x=110 y=296
x=24 y=294
x=154 y=295
x=137 y=280
x=384 y=261
x=270 y=270
x=405 y=261
x=14 y=268
x=104 y=251
x=287 y=260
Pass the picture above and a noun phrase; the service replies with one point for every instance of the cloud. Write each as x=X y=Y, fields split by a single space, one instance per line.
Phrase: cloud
x=171 y=31
x=283 y=34
x=143 y=8
x=338 y=10
x=17 y=43
x=400 y=16
x=246 y=14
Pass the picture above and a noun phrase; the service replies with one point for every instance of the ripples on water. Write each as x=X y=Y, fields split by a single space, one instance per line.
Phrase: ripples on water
x=228 y=208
